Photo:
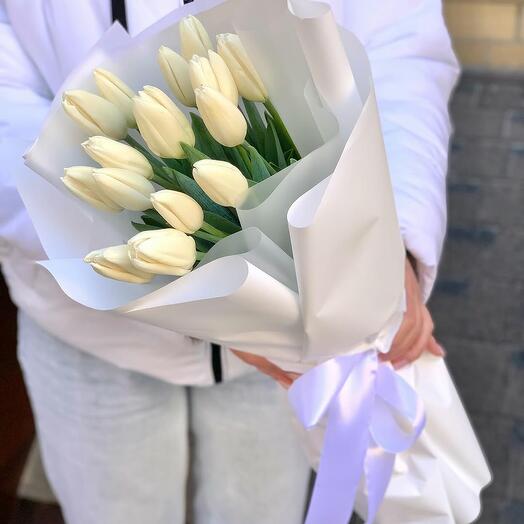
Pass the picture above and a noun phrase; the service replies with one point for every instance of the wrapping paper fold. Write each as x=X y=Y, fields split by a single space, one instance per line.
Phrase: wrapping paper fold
x=317 y=271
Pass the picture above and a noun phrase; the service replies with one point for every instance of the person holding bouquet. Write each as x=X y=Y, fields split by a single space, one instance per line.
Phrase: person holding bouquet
x=119 y=433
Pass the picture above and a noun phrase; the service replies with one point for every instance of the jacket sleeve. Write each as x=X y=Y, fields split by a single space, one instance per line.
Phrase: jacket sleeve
x=414 y=70
x=24 y=102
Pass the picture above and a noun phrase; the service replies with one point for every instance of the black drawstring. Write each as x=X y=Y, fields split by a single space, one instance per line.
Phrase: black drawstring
x=118 y=12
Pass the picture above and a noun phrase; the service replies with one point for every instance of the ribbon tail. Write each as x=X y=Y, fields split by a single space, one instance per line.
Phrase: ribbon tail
x=344 y=451
x=378 y=470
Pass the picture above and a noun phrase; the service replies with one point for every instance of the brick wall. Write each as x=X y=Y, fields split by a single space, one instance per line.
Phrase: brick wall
x=487 y=34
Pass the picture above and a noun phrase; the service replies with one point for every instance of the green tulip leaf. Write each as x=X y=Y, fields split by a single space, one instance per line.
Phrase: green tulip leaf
x=153 y=218
x=203 y=245
x=272 y=147
x=204 y=141
x=259 y=170
x=256 y=122
x=144 y=227
x=237 y=160
x=193 y=154
x=226 y=225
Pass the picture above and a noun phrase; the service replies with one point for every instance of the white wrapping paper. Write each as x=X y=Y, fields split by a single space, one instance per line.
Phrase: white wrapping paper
x=317 y=270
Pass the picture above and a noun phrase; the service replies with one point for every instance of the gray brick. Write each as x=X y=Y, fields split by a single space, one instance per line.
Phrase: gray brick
x=488 y=252
x=498 y=511
x=478 y=158
x=503 y=95
x=486 y=201
x=482 y=309
x=490 y=377
x=513 y=126
x=477 y=122
x=516 y=166
x=505 y=453
x=467 y=94
x=512 y=512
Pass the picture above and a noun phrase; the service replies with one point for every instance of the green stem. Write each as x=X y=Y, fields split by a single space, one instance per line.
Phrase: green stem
x=200 y=255
x=152 y=158
x=161 y=181
x=207 y=236
x=282 y=129
x=213 y=230
x=245 y=158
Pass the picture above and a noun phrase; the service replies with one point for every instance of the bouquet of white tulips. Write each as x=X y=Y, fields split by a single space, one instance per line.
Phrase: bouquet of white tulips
x=269 y=230
x=205 y=163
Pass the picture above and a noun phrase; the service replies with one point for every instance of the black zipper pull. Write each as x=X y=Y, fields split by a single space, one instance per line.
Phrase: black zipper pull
x=118 y=12
x=216 y=362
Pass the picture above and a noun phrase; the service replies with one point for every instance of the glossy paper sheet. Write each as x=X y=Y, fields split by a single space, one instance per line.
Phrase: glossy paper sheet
x=318 y=269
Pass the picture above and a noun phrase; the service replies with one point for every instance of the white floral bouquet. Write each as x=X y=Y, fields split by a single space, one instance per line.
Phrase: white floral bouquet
x=266 y=222
x=205 y=166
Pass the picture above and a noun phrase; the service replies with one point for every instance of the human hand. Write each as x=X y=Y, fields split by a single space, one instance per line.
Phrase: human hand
x=413 y=338
x=416 y=331
x=284 y=378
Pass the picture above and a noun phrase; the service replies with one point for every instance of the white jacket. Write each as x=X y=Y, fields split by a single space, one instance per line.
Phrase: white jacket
x=414 y=70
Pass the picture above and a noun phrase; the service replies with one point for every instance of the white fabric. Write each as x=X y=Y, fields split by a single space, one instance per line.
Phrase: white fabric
x=116 y=449
x=414 y=70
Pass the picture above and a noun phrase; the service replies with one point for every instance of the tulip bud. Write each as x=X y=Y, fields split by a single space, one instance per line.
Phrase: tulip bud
x=179 y=210
x=80 y=181
x=162 y=125
x=114 y=262
x=223 y=119
x=213 y=72
x=94 y=113
x=248 y=81
x=221 y=181
x=194 y=39
x=117 y=92
x=201 y=73
x=176 y=73
x=163 y=251
x=126 y=188
x=111 y=153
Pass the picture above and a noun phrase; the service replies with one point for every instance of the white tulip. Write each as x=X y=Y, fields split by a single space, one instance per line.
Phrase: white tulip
x=111 y=153
x=114 y=262
x=221 y=181
x=163 y=251
x=248 y=81
x=194 y=39
x=96 y=114
x=162 y=125
x=115 y=90
x=179 y=210
x=80 y=181
x=176 y=73
x=201 y=73
x=126 y=188
x=213 y=72
x=223 y=119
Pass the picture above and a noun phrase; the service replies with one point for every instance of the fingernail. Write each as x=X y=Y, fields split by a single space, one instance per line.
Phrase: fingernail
x=400 y=364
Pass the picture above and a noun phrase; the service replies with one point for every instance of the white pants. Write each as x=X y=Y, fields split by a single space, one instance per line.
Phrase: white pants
x=118 y=447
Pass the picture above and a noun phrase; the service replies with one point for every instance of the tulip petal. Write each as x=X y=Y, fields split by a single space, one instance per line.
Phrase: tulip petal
x=126 y=188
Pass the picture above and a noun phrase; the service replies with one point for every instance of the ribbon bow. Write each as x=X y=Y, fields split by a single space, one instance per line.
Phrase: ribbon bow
x=361 y=398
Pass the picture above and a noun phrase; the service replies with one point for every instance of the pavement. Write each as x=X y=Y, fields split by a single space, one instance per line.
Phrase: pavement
x=478 y=303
